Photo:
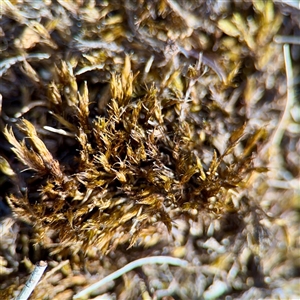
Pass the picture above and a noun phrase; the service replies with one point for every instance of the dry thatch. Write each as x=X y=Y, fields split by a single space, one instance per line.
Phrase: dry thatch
x=136 y=129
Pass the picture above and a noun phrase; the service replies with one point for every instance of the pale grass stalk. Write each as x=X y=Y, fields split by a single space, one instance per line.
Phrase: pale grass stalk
x=132 y=265
x=290 y=97
x=33 y=280
x=55 y=269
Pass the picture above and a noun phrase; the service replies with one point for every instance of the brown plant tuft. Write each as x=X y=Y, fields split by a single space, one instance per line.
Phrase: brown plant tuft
x=139 y=164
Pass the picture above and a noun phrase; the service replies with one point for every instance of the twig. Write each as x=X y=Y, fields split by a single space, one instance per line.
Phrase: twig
x=7 y=63
x=277 y=137
x=207 y=60
x=85 y=45
x=58 y=267
x=30 y=106
x=33 y=280
x=284 y=39
x=132 y=265
x=292 y=3
x=59 y=131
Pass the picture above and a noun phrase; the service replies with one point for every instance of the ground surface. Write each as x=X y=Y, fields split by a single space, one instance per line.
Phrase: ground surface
x=207 y=75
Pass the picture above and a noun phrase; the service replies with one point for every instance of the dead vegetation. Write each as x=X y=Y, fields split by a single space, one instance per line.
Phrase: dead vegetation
x=149 y=128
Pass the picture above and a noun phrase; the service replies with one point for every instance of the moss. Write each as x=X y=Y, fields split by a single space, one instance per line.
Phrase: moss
x=140 y=128
x=138 y=164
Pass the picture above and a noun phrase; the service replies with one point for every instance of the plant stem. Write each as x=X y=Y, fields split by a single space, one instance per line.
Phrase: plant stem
x=33 y=280
x=132 y=265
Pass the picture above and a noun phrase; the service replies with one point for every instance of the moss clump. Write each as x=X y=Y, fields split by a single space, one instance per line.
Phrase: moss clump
x=139 y=163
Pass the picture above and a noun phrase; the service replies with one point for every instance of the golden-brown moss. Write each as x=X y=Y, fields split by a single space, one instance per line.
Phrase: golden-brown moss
x=138 y=164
